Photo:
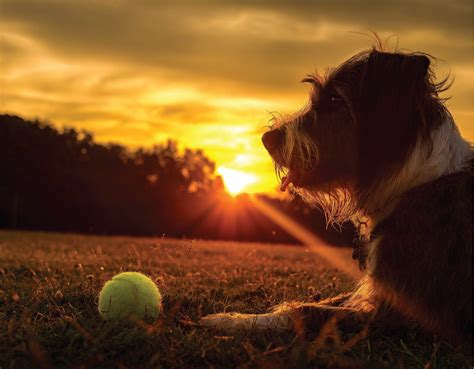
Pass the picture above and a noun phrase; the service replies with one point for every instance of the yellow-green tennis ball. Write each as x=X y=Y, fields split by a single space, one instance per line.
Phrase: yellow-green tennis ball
x=130 y=295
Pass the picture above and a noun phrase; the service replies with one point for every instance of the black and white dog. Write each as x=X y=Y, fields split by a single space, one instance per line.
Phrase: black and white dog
x=376 y=145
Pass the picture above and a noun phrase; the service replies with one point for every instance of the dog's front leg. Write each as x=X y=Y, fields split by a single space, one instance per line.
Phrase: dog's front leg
x=285 y=317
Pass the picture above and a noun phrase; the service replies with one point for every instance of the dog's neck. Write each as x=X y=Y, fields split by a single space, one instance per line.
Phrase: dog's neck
x=449 y=153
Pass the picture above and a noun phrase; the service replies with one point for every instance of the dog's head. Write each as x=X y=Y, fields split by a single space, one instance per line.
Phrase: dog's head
x=362 y=121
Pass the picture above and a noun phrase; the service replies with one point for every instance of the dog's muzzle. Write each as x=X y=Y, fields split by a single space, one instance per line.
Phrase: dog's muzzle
x=272 y=140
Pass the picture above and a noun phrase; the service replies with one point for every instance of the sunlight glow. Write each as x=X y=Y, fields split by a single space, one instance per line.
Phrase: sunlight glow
x=235 y=181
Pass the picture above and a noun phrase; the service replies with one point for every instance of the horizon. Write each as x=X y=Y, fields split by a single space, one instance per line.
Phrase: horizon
x=208 y=75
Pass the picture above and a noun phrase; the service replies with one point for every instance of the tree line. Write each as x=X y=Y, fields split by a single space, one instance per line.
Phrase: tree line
x=62 y=180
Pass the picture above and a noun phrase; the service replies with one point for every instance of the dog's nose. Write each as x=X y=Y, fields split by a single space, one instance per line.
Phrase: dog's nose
x=272 y=139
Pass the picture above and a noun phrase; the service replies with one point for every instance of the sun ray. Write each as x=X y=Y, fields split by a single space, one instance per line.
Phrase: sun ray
x=340 y=259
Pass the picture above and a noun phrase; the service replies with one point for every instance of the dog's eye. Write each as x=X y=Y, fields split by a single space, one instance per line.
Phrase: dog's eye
x=335 y=98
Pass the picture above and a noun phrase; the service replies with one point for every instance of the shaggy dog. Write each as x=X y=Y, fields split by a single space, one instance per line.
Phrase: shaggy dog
x=376 y=145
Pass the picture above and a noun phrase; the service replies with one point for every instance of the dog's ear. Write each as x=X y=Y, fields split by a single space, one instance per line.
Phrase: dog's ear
x=390 y=118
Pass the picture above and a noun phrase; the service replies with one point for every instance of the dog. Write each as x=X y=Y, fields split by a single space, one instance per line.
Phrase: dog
x=376 y=145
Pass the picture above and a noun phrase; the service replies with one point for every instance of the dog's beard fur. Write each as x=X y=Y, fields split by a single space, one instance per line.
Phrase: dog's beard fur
x=335 y=199
x=337 y=202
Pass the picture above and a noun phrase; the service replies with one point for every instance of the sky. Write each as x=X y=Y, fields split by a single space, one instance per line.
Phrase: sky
x=208 y=73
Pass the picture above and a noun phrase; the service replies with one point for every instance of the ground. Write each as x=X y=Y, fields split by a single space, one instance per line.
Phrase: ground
x=49 y=286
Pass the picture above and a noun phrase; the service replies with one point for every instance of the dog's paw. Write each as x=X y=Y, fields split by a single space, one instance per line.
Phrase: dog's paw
x=235 y=322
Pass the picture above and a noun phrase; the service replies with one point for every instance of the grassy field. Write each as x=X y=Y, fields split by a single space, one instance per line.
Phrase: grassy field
x=49 y=285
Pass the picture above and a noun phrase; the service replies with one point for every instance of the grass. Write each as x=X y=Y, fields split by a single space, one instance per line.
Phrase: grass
x=49 y=285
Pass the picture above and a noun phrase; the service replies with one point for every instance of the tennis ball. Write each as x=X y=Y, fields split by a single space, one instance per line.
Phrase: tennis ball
x=129 y=295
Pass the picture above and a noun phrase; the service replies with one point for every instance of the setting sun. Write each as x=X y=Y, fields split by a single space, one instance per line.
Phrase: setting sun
x=235 y=181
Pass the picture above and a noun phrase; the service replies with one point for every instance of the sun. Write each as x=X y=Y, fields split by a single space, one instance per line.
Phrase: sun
x=235 y=181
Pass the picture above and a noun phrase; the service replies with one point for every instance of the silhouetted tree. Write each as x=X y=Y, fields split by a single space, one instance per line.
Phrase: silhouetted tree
x=65 y=181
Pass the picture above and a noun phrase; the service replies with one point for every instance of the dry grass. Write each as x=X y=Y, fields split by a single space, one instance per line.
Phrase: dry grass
x=49 y=285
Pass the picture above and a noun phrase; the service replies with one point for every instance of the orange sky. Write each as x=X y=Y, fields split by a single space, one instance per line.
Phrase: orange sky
x=207 y=73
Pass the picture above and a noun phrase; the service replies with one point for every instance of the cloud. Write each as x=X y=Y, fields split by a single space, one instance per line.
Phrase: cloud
x=256 y=45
